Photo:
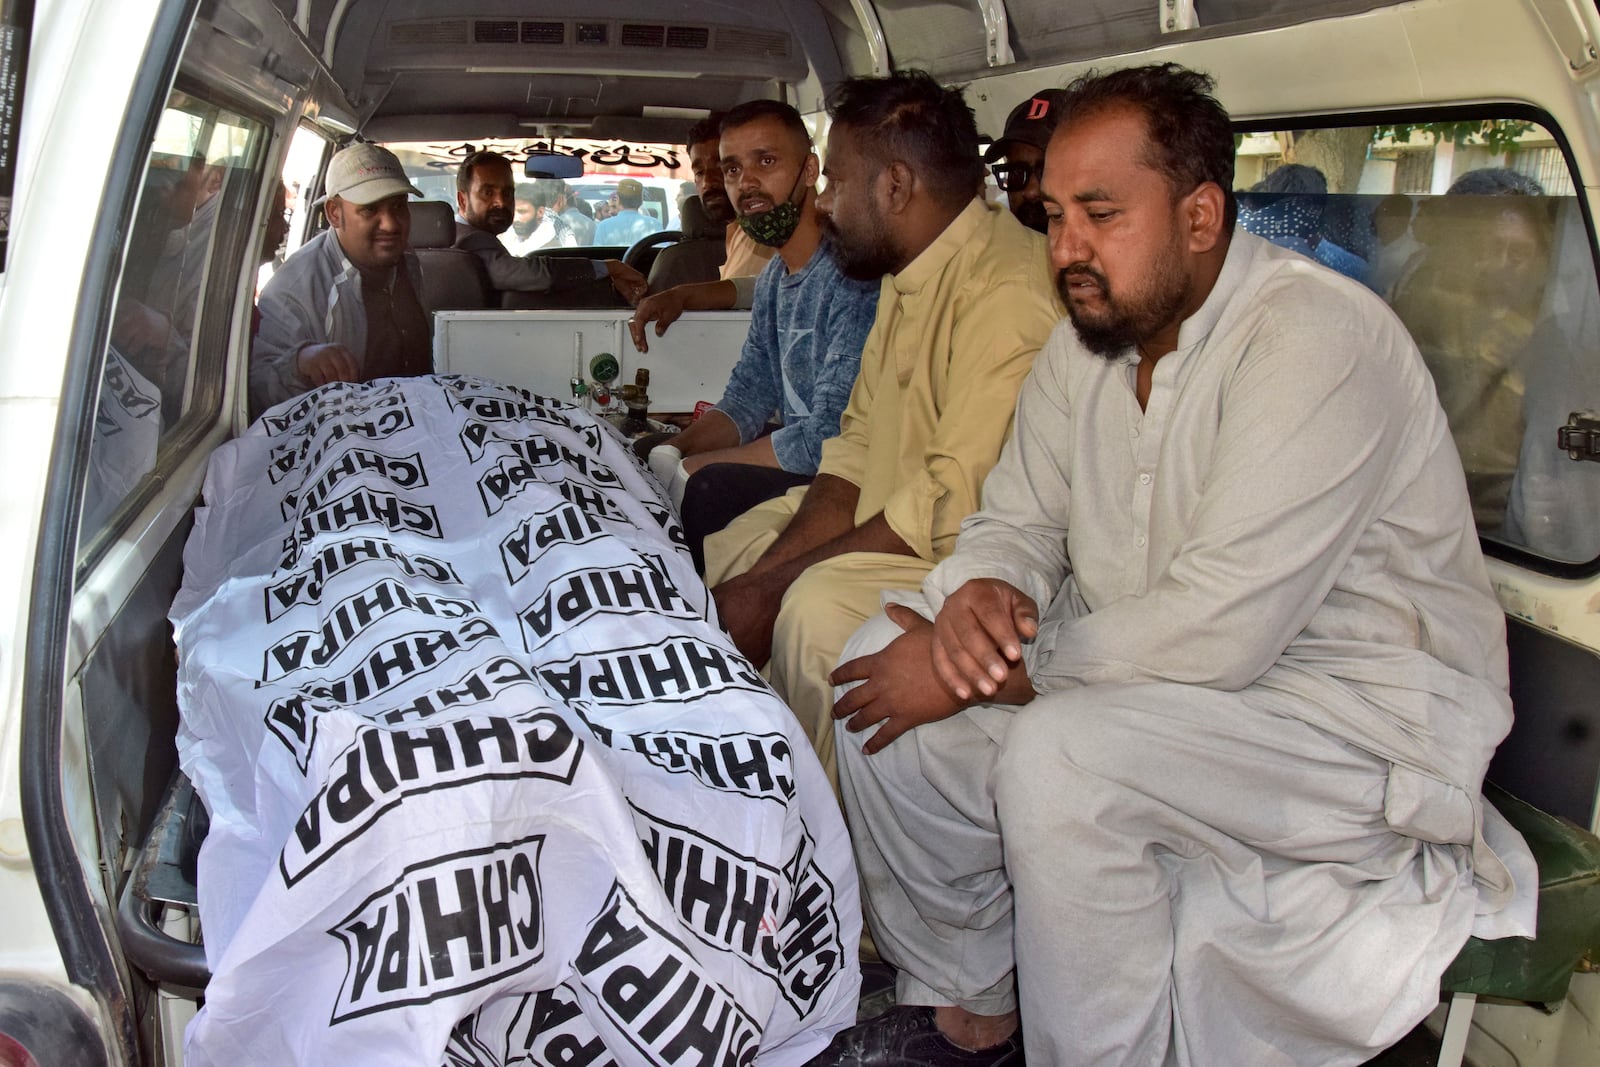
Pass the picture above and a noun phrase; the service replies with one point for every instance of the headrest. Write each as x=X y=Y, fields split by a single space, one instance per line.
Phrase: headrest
x=433 y=224
x=695 y=223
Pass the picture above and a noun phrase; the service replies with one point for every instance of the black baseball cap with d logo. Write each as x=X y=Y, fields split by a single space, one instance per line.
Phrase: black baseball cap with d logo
x=1030 y=122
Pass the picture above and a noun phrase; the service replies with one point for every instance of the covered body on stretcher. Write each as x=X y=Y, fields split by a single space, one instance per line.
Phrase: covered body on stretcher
x=487 y=785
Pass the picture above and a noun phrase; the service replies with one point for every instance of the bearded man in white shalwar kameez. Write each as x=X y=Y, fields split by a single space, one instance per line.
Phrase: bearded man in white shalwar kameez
x=1178 y=758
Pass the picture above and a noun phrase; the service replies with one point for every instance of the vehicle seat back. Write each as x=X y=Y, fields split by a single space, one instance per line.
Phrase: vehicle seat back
x=453 y=279
x=696 y=256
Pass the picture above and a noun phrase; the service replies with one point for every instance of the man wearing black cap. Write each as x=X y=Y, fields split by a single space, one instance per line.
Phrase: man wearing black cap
x=1022 y=146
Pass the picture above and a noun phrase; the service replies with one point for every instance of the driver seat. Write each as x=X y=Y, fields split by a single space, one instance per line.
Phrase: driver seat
x=696 y=255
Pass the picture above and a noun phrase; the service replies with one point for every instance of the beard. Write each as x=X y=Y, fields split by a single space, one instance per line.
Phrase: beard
x=523 y=229
x=1031 y=214
x=719 y=209
x=1123 y=321
x=495 y=220
x=866 y=255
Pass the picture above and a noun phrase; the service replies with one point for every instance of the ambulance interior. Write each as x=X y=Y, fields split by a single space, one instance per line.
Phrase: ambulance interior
x=1382 y=98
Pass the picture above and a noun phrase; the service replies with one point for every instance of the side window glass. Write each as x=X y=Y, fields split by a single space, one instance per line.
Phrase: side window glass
x=163 y=373
x=308 y=151
x=1472 y=231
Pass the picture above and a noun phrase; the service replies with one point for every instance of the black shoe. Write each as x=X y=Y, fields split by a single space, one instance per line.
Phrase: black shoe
x=906 y=1037
x=877 y=991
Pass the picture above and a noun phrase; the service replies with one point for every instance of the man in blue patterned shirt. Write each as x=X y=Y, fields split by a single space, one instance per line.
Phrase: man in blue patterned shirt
x=807 y=326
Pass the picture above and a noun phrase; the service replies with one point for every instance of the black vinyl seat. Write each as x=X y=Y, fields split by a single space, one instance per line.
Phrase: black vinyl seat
x=696 y=255
x=453 y=279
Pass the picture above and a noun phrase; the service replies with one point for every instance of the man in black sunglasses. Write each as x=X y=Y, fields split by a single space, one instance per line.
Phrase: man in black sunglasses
x=1022 y=146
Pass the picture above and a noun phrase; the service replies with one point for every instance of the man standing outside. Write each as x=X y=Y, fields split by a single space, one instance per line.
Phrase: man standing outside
x=807 y=326
x=1227 y=565
x=344 y=307
x=629 y=224
x=1022 y=146
x=484 y=203
x=964 y=308
x=572 y=227
x=533 y=225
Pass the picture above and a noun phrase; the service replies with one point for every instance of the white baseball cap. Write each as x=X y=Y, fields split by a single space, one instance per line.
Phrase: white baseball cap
x=365 y=174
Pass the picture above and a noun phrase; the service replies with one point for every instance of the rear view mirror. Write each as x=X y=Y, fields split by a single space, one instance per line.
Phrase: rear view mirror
x=553 y=165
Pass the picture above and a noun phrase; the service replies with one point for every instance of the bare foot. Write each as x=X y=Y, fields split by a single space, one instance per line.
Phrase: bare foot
x=974 y=1032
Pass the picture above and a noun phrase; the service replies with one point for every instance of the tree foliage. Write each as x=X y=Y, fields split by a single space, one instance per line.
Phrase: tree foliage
x=1498 y=135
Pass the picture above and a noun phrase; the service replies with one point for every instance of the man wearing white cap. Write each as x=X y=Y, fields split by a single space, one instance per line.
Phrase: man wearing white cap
x=344 y=307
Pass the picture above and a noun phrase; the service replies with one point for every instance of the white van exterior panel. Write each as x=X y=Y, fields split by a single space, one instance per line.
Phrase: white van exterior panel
x=84 y=59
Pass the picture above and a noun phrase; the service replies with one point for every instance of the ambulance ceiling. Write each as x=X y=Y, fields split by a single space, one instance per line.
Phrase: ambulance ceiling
x=620 y=67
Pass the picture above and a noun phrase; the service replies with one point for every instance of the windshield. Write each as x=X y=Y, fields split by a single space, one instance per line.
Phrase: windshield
x=662 y=171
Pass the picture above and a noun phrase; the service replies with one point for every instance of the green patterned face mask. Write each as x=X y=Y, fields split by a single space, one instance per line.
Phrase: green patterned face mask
x=776 y=225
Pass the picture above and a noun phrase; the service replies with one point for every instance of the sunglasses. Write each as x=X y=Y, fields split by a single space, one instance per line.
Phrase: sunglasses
x=1014 y=177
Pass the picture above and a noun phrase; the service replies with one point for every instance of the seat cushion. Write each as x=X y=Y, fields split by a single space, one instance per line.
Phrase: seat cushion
x=1569 y=914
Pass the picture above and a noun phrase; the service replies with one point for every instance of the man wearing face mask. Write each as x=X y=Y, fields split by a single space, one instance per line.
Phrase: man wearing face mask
x=807 y=325
x=744 y=258
x=1022 y=146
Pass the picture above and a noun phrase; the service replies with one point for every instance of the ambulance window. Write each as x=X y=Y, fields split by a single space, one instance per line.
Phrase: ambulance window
x=191 y=234
x=308 y=152
x=1471 y=230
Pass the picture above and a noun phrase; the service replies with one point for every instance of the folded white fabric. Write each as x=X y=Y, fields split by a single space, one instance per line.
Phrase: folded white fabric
x=666 y=463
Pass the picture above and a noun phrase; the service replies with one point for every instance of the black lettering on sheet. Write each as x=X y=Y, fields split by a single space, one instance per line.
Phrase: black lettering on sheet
x=361 y=506
x=652 y=989
x=549 y=1027
x=511 y=406
x=463 y=1047
x=511 y=474
x=398 y=661
x=586 y=715
x=582 y=594
x=677 y=670
x=282 y=422
x=525 y=463
x=564 y=524
x=305 y=585
x=444 y=926
x=403 y=472
x=293 y=721
x=478 y=433
x=595 y=501
x=308 y=445
x=478 y=686
x=591 y=436
x=810 y=952
x=756 y=765
x=350 y=618
x=124 y=387
x=726 y=900
x=668 y=522
x=459 y=388
x=381 y=768
x=343 y=400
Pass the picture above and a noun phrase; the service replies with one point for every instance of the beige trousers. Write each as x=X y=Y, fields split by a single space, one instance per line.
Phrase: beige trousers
x=823 y=607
